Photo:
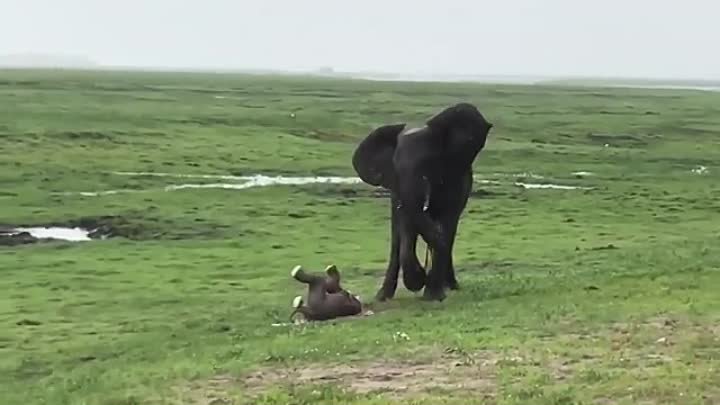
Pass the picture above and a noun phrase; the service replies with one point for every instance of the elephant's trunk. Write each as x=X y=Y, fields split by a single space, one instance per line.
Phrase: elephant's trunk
x=428 y=189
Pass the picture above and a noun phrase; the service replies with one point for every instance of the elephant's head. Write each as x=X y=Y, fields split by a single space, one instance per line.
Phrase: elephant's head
x=463 y=128
x=456 y=134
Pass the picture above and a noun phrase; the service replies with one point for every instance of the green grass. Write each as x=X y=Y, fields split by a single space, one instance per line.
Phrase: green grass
x=179 y=311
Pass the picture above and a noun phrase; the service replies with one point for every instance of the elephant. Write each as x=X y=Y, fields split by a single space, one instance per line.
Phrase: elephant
x=326 y=299
x=428 y=171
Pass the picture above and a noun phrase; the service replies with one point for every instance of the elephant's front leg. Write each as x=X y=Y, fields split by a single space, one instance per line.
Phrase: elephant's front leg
x=436 y=237
x=413 y=272
x=436 y=278
x=442 y=273
x=441 y=262
x=387 y=291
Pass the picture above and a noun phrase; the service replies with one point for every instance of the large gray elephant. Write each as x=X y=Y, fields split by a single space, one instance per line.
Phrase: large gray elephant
x=428 y=171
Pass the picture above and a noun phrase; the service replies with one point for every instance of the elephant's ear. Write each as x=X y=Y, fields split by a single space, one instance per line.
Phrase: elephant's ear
x=373 y=158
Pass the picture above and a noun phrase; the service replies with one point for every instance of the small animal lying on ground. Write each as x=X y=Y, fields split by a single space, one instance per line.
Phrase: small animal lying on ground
x=326 y=299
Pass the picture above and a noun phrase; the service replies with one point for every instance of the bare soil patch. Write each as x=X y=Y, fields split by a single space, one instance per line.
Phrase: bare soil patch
x=396 y=379
x=477 y=373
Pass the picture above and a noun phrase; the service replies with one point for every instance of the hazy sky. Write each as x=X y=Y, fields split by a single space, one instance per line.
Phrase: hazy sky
x=660 y=38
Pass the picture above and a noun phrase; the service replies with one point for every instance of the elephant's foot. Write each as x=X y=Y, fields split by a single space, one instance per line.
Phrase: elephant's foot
x=414 y=280
x=299 y=274
x=433 y=294
x=384 y=294
x=452 y=284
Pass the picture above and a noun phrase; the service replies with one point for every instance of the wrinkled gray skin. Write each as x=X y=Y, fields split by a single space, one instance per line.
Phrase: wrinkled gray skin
x=428 y=171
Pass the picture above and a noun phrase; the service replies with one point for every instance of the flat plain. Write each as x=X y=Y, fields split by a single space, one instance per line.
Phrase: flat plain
x=602 y=294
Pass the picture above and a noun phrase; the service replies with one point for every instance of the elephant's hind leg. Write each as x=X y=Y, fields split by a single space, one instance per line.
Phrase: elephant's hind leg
x=316 y=285
x=450 y=280
x=299 y=274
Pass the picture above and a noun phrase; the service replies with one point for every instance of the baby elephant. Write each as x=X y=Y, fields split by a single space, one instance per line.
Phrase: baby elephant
x=325 y=298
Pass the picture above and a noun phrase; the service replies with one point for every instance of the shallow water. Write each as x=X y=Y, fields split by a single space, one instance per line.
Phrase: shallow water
x=528 y=175
x=184 y=175
x=68 y=234
x=264 y=181
x=259 y=180
x=666 y=87
x=549 y=186
x=107 y=192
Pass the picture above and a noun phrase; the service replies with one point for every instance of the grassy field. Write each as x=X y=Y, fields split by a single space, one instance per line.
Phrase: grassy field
x=604 y=295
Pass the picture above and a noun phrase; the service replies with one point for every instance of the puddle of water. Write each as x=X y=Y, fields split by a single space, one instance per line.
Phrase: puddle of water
x=107 y=192
x=264 y=181
x=549 y=186
x=99 y=193
x=188 y=176
x=68 y=234
x=525 y=175
x=244 y=182
x=229 y=186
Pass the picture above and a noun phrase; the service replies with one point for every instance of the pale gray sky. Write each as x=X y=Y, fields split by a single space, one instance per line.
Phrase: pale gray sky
x=660 y=38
